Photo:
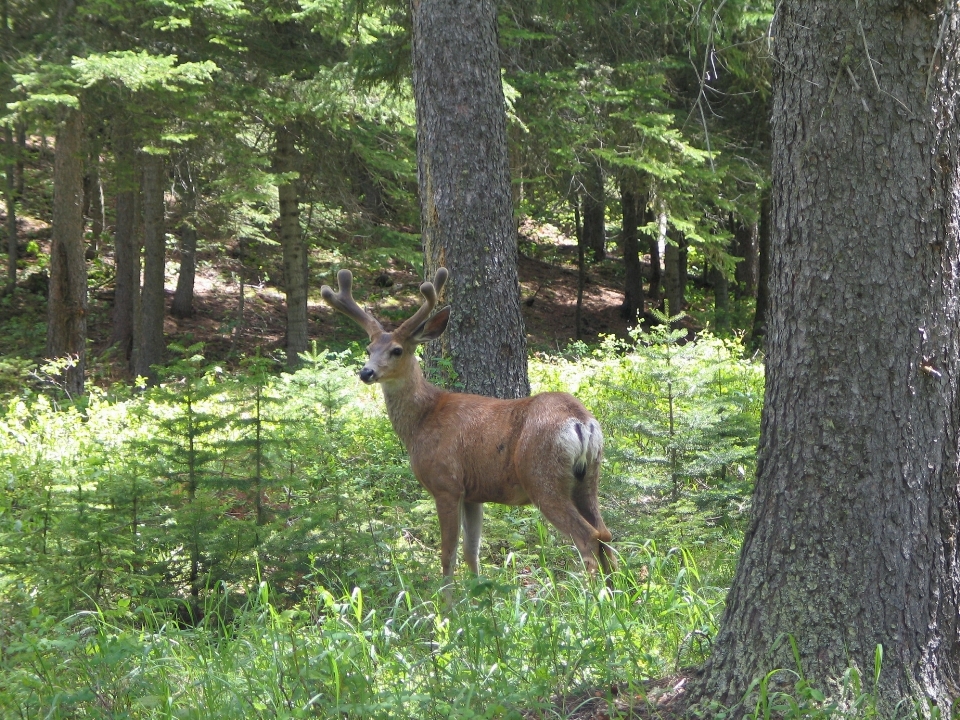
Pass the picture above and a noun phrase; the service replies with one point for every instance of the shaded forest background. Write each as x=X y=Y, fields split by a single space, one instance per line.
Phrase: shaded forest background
x=636 y=129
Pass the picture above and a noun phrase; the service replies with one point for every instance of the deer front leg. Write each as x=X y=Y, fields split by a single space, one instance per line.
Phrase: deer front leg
x=448 y=510
x=472 y=524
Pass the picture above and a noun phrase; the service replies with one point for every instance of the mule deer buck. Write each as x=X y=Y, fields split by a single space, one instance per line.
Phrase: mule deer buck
x=468 y=449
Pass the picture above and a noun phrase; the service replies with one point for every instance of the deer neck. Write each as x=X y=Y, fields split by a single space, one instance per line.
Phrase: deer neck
x=409 y=400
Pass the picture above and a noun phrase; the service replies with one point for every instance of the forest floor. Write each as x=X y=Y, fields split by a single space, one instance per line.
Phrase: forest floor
x=546 y=266
x=548 y=303
x=661 y=699
x=229 y=329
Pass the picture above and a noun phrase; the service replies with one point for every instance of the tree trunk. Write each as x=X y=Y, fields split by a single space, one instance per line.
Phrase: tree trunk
x=371 y=194
x=674 y=273
x=464 y=182
x=594 y=211
x=22 y=144
x=853 y=537
x=93 y=198
x=763 y=276
x=294 y=252
x=746 y=248
x=126 y=253
x=67 y=305
x=683 y=251
x=656 y=267
x=581 y=273
x=721 y=298
x=241 y=321
x=152 y=300
x=182 y=305
x=13 y=155
x=11 y=200
x=632 y=308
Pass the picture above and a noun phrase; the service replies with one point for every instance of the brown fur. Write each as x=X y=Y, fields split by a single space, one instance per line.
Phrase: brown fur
x=467 y=450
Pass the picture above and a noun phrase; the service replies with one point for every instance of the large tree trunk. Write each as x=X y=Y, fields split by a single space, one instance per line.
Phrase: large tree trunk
x=182 y=305
x=632 y=308
x=594 y=211
x=152 y=303
x=294 y=252
x=466 y=212
x=853 y=538
x=67 y=305
x=126 y=254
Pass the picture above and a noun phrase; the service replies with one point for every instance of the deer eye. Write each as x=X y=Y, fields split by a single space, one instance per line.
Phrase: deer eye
x=397 y=351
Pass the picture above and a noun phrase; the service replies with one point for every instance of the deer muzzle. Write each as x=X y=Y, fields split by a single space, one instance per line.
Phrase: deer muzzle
x=368 y=375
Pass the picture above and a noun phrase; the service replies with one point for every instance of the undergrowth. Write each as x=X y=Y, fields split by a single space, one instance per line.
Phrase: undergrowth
x=254 y=544
x=504 y=650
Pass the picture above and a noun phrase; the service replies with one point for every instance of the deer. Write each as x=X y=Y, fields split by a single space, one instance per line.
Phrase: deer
x=467 y=450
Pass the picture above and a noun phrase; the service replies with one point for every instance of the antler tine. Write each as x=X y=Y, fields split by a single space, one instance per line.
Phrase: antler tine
x=344 y=302
x=429 y=291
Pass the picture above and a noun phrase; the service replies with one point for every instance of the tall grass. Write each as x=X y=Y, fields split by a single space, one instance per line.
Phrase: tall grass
x=506 y=649
x=256 y=546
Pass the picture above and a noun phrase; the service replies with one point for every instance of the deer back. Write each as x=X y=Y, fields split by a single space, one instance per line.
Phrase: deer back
x=504 y=451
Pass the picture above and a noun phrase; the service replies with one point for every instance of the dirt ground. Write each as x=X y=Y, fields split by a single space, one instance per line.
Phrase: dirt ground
x=660 y=699
x=548 y=303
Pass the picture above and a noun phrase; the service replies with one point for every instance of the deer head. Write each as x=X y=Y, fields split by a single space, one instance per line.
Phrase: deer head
x=390 y=354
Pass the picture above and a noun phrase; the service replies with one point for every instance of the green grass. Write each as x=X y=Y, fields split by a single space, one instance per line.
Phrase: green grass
x=328 y=605
x=510 y=643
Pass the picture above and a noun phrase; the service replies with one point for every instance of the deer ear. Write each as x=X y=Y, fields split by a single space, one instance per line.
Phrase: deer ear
x=432 y=328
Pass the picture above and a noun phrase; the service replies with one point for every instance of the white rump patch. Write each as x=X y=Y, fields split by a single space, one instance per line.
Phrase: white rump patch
x=582 y=442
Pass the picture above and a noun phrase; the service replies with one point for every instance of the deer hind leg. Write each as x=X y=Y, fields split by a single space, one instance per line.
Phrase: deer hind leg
x=585 y=498
x=472 y=525
x=566 y=517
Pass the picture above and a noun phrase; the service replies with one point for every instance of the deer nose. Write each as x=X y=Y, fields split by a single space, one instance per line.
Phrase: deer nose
x=366 y=374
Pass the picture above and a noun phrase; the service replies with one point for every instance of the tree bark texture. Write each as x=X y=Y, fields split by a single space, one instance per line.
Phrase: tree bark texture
x=294 y=252
x=22 y=145
x=182 y=305
x=594 y=211
x=466 y=212
x=67 y=304
x=126 y=254
x=632 y=308
x=152 y=303
x=853 y=538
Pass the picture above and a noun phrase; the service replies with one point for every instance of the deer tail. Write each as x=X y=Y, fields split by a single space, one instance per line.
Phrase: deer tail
x=583 y=442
